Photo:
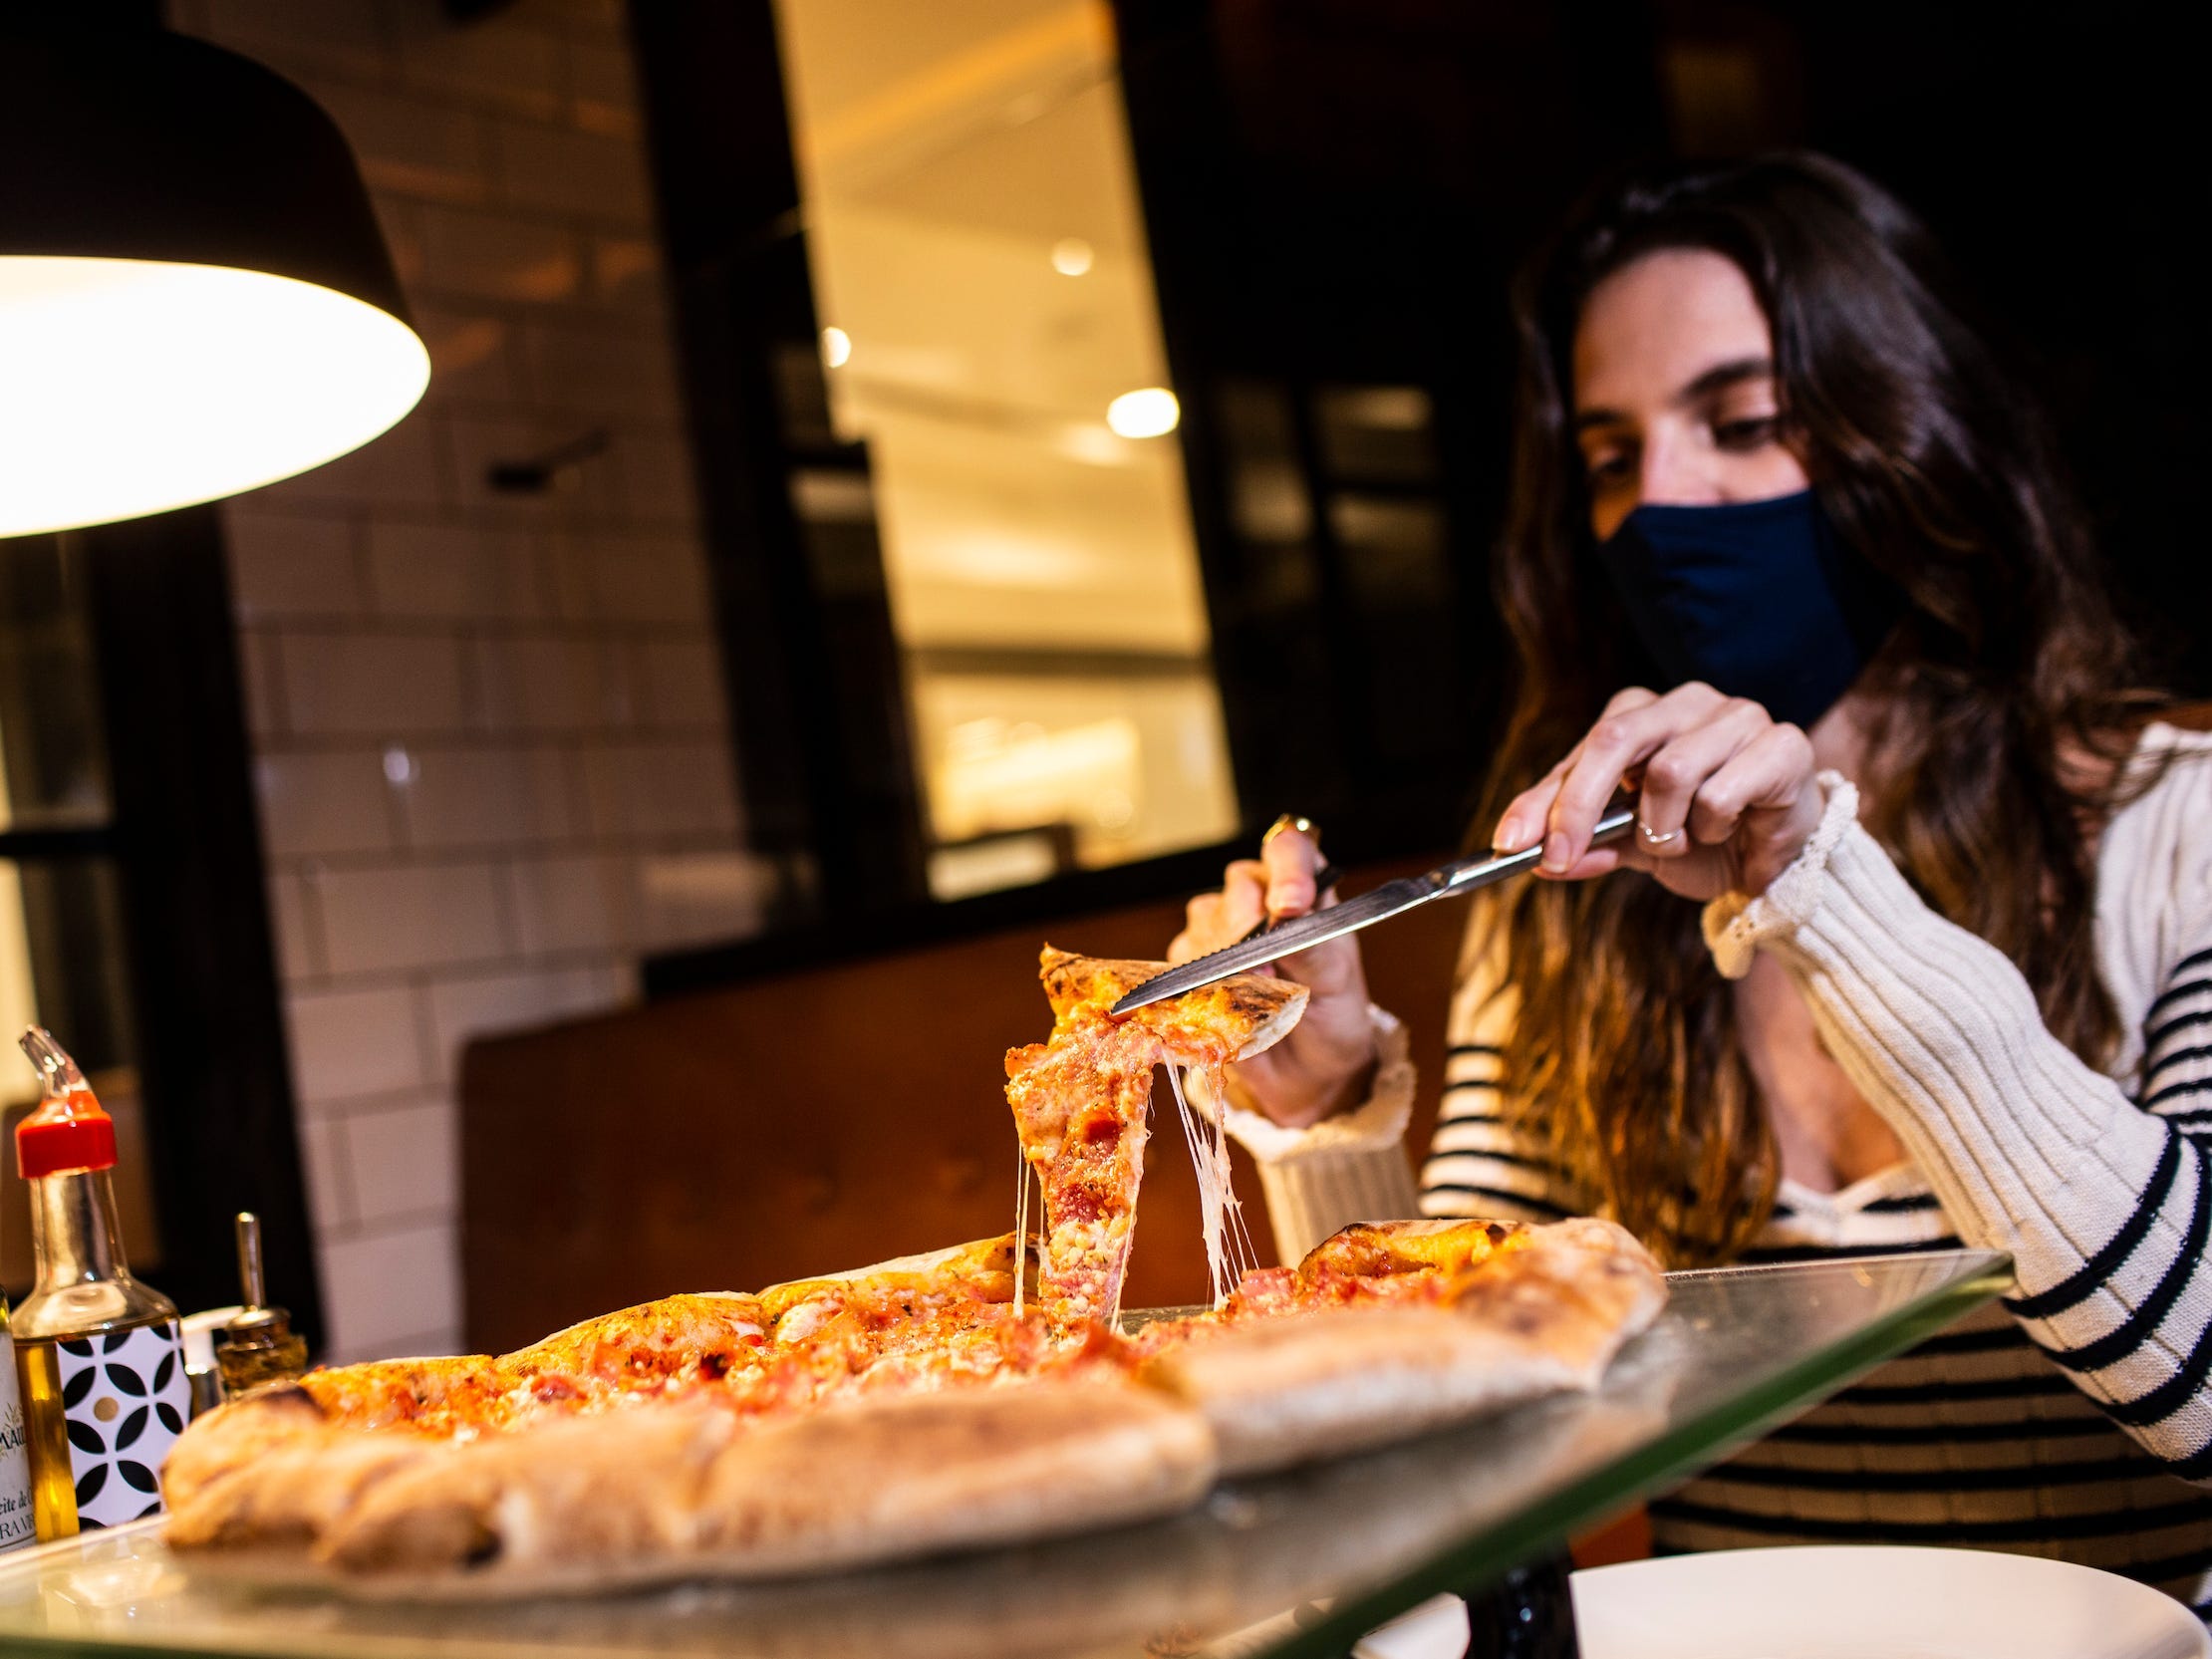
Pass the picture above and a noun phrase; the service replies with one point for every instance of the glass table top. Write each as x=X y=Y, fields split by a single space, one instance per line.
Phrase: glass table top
x=1294 y=1566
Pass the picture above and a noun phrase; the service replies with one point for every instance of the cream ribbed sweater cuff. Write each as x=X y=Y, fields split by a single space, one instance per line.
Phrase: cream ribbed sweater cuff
x=1349 y=1168
x=2029 y=1149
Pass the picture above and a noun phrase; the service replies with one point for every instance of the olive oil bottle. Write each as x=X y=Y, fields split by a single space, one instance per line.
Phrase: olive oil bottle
x=99 y=1359
x=16 y=1523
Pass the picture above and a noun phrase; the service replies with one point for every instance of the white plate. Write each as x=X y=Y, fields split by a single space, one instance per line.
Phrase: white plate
x=1875 y=1602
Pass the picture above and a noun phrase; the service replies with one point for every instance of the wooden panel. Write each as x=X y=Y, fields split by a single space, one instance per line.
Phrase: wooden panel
x=811 y=1121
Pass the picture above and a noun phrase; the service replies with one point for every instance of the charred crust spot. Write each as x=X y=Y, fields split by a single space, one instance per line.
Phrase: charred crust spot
x=485 y=1548
x=284 y=1396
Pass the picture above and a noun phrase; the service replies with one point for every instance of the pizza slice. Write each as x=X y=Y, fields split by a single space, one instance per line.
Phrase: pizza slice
x=1389 y=1260
x=1573 y=1290
x=416 y=1393
x=1081 y=1102
x=671 y=1343
x=958 y=1276
x=1471 y=1322
x=248 y=1472
x=915 y=1323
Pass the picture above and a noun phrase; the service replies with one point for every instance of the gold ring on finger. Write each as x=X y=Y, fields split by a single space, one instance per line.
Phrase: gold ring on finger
x=1291 y=821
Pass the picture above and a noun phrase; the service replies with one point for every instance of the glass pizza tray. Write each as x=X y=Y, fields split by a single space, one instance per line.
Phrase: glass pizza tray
x=1292 y=1567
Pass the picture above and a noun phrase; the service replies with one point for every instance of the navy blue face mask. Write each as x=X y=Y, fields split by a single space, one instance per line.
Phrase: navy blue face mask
x=1757 y=598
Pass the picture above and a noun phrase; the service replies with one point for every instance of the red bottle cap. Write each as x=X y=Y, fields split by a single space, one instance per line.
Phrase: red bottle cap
x=71 y=1131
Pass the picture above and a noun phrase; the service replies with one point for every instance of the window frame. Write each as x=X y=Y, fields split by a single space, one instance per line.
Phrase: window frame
x=185 y=841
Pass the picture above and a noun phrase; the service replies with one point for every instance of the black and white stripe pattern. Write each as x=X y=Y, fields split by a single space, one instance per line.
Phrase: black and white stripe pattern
x=1974 y=1438
x=2068 y=1423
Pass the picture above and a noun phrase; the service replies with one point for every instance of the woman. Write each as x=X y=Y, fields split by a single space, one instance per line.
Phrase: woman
x=1786 y=556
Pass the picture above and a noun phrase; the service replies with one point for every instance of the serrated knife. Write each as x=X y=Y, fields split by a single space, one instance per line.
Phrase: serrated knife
x=1302 y=933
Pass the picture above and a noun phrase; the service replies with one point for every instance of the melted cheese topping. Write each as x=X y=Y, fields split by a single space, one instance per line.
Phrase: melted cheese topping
x=1228 y=1250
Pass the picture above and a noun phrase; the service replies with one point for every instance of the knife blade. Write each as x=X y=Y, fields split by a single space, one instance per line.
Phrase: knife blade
x=1446 y=881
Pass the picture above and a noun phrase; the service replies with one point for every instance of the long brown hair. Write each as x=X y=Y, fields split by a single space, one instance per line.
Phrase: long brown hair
x=2004 y=724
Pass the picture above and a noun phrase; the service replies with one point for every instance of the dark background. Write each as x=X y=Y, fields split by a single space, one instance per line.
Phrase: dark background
x=1337 y=192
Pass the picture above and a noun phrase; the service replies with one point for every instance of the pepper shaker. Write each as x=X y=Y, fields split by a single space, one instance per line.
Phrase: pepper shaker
x=258 y=1345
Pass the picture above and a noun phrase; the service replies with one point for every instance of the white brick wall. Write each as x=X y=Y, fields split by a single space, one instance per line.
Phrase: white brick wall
x=491 y=748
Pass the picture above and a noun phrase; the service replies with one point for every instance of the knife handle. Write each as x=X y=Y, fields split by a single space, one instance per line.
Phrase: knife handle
x=1481 y=872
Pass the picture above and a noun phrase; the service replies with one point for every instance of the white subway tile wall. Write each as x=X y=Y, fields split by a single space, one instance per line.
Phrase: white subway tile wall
x=491 y=742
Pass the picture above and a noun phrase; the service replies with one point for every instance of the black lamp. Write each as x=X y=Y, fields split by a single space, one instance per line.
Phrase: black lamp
x=194 y=295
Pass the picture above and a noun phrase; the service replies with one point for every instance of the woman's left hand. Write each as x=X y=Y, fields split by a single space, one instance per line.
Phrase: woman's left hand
x=1725 y=797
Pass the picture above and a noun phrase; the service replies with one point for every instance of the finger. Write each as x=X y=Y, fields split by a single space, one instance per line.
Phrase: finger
x=1771 y=770
x=1617 y=743
x=1675 y=771
x=1328 y=970
x=1290 y=860
x=1243 y=897
x=1202 y=929
x=1599 y=861
x=1522 y=821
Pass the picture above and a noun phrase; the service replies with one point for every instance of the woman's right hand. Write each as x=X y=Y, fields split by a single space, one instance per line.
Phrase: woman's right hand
x=1326 y=1063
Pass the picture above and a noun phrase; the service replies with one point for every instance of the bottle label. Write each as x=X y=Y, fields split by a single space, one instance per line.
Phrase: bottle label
x=17 y=1525
x=127 y=1399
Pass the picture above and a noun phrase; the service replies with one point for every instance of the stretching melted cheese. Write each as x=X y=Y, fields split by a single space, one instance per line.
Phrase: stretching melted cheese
x=1081 y=1100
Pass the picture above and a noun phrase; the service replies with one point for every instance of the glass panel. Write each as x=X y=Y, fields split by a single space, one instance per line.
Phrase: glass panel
x=978 y=262
x=1736 y=1352
x=1269 y=500
x=1375 y=433
x=53 y=765
x=61 y=966
x=1121 y=759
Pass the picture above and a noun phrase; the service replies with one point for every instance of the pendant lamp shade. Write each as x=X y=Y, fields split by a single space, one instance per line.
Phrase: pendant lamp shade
x=194 y=295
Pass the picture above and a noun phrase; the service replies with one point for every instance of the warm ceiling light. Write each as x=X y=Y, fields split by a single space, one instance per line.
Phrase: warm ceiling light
x=1072 y=256
x=837 y=347
x=1149 y=412
x=194 y=296
x=135 y=386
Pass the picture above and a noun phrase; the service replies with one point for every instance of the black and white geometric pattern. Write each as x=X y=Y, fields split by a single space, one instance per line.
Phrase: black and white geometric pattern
x=127 y=1399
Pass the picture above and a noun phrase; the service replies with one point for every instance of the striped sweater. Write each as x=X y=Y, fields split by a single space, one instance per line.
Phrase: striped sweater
x=2070 y=1422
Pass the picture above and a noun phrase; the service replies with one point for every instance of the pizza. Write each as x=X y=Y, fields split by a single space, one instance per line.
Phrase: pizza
x=1081 y=1102
x=971 y=1396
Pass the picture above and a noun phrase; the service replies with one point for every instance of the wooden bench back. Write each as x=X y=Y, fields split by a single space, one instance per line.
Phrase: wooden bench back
x=816 y=1120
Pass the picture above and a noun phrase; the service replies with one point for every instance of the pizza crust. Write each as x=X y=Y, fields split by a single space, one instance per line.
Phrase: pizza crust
x=598 y=1501
x=296 y=1492
x=1576 y=1290
x=1541 y=1310
x=856 y=1484
x=1334 y=1381
x=984 y=1270
x=231 y=1437
x=636 y=1496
